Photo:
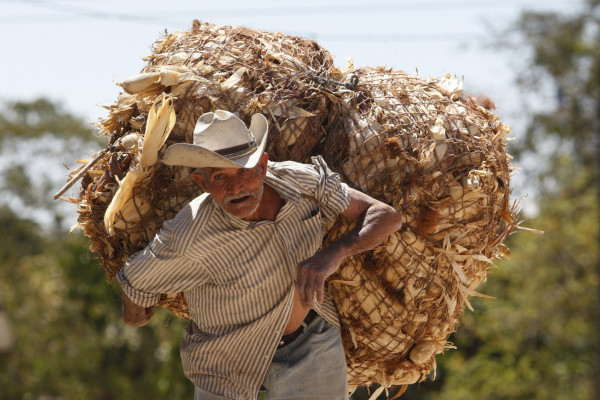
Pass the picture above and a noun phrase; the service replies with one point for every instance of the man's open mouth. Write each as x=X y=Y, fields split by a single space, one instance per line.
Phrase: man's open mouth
x=239 y=200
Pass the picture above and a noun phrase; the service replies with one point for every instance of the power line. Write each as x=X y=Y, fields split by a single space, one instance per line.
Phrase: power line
x=279 y=10
x=78 y=11
x=366 y=8
x=86 y=12
x=392 y=37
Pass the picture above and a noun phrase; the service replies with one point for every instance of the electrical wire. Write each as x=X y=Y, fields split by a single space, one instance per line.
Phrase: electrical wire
x=67 y=13
x=307 y=10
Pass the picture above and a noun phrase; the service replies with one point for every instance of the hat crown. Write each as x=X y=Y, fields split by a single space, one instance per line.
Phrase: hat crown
x=221 y=130
x=221 y=140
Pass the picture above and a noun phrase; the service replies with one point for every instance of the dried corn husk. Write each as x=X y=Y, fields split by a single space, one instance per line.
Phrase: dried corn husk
x=439 y=157
x=161 y=120
x=418 y=144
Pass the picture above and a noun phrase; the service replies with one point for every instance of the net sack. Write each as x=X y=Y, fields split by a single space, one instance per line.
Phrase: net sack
x=423 y=147
x=417 y=144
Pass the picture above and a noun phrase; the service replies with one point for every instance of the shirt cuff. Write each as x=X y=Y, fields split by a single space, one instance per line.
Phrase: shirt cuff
x=137 y=296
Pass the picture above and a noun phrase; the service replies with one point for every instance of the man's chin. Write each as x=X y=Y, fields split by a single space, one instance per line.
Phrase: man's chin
x=245 y=208
x=242 y=210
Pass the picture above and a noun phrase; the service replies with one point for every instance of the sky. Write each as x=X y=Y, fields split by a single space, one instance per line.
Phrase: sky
x=74 y=51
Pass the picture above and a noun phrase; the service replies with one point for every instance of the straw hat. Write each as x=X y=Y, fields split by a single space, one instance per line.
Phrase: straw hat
x=221 y=140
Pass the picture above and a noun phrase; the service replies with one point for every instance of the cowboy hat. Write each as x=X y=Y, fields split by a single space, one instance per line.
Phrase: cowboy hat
x=221 y=140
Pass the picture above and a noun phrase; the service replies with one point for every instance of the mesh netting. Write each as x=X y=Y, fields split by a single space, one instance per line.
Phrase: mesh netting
x=417 y=144
x=440 y=158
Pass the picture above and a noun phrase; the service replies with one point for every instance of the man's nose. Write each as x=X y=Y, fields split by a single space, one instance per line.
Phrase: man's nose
x=236 y=185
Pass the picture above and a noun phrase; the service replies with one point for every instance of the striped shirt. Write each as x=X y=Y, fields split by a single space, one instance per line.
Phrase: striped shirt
x=238 y=276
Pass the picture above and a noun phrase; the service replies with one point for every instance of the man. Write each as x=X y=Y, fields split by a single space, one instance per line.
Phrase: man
x=246 y=255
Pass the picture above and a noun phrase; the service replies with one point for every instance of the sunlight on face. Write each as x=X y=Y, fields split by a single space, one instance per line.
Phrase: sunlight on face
x=238 y=191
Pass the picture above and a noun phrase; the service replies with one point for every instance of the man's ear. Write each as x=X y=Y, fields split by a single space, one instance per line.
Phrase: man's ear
x=199 y=178
x=262 y=162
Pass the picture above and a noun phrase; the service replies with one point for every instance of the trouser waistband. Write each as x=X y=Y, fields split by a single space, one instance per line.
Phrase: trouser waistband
x=290 y=337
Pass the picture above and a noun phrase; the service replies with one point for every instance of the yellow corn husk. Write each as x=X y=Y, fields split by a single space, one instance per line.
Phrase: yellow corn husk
x=171 y=75
x=141 y=82
x=123 y=195
x=161 y=120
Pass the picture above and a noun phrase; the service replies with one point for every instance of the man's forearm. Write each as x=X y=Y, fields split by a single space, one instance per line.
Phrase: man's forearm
x=377 y=223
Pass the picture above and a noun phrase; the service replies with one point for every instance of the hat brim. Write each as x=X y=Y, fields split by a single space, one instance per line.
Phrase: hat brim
x=194 y=156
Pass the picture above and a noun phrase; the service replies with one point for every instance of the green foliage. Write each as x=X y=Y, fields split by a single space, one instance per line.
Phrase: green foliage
x=35 y=139
x=19 y=237
x=65 y=318
x=564 y=54
x=33 y=120
x=538 y=338
x=70 y=340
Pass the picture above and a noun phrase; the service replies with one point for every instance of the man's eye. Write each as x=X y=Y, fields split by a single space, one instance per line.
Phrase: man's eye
x=217 y=177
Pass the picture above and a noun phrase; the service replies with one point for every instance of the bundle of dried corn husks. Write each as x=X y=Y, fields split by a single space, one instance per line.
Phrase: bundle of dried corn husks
x=415 y=143
x=440 y=158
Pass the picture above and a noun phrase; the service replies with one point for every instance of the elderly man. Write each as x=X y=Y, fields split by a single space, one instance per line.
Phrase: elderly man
x=246 y=255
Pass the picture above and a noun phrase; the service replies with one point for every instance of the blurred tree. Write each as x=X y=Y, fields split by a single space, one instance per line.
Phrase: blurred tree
x=33 y=137
x=538 y=339
x=70 y=340
x=65 y=318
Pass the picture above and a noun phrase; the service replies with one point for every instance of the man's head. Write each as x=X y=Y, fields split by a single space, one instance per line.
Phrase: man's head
x=238 y=191
x=229 y=158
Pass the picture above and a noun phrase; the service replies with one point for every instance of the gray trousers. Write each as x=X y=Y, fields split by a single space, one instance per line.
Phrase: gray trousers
x=312 y=367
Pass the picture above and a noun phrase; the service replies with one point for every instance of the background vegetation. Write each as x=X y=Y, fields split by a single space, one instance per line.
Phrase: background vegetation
x=537 y=340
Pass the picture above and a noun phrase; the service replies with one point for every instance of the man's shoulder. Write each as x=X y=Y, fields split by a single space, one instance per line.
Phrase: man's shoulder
x=200 y=203
x=286 y=165
x=315 y=172
x=289 y=169
x=196 y=211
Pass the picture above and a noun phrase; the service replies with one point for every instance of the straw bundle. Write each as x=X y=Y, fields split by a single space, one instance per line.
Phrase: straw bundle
x=435 y=154
x=415 y=143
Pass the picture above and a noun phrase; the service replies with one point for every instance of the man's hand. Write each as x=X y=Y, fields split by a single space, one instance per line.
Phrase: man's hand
x=134 y=314
x=375 y=222
x=312 y=273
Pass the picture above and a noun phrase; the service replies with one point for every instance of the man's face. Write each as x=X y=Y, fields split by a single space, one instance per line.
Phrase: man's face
x=237 y=190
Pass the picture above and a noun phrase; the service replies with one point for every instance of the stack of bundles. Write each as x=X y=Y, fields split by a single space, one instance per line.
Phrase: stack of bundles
x=417 y=144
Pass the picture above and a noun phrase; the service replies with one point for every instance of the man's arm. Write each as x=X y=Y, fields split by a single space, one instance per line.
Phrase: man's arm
x=134 y=314
x=162 y=266
x=376 y=221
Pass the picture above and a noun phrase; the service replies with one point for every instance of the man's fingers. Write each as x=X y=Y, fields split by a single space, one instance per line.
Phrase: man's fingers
x=149 y=312
x=309 y=292
x=310 y=280
x=306 y=290
x=303 y=299
x=319 y=288
x=317 y=284
x=301 y=284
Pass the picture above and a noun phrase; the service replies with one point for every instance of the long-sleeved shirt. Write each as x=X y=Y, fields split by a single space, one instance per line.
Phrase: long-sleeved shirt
x=238 y=276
